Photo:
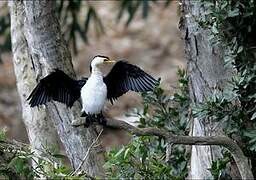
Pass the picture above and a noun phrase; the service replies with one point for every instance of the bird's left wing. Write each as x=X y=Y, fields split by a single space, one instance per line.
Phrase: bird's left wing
x=57 y=86
x=124 y=77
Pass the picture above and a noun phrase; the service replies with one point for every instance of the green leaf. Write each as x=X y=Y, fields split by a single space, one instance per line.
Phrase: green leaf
x=126 y=153
x=233 y=13
x=145 y=8
x=59 y=156
x=215 y=30
x=253 y=116
x=240 y=49
x=2 y=135
x=119 y=152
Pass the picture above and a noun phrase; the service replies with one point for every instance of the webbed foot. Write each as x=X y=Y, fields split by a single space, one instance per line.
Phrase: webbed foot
x=88 y=119
x=102 y=120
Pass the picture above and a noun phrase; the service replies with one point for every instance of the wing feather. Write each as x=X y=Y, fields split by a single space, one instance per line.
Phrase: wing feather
x=145 y=84
x=124 y=77
x=141 y=85
x=137 y=85
x=57 y=86
x=132 y=84
x=41 y=99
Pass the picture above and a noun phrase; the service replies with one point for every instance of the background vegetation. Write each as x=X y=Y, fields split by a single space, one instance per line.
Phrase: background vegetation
x=233 y=24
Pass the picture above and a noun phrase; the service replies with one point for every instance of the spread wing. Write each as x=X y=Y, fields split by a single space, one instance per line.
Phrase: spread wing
x=57 y=86
x=124 y=77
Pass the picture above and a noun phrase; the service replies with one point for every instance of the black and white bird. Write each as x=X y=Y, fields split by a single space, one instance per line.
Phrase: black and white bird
x=95 y=90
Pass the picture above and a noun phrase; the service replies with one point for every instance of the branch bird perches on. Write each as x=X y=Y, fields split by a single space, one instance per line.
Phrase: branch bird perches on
x=239 y=157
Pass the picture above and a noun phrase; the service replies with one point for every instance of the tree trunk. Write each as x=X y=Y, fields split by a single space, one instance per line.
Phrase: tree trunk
x=48 y=50
x=40 y=129
x=206 y=74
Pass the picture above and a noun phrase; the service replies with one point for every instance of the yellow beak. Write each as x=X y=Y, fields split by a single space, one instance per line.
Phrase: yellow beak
x=110 y=61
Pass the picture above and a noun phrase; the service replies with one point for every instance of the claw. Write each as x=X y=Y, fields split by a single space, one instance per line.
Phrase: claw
x=102 y=120
x=88 y=119
x=87 y=122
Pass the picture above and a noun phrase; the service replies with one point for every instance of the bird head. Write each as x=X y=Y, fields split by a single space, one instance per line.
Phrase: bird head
x=98 y=62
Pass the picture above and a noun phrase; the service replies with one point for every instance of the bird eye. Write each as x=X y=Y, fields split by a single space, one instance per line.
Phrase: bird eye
x=105 y=60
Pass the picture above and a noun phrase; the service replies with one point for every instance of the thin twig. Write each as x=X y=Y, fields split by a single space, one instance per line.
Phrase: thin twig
x=87 y=154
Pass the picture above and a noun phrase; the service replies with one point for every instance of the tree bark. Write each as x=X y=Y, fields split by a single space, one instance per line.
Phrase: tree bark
x=40 y=129
x=206 y=75
x=48 y=50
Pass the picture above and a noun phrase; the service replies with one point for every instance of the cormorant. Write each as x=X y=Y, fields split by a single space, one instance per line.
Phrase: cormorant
x=95 y=90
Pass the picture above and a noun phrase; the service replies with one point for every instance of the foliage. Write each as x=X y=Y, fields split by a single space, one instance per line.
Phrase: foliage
x=69 y=14
x=5 y=30
x=132 y=6
x=233 y=24
x=74 y=24
x=2 y=135
x=219 y=166
x=145 y=157
x=16 y=159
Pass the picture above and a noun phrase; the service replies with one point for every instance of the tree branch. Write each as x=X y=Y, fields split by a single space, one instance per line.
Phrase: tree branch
x=240 y=159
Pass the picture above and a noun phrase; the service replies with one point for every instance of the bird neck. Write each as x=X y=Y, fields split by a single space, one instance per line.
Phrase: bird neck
x=96 y=71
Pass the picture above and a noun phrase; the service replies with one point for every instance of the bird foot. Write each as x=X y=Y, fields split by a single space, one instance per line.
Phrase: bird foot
x=96 y=118
x=89 y=119
x=102 y=120
x=78 y=122
x=83 y=114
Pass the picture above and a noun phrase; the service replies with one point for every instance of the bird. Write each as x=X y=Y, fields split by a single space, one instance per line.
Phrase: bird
x=94 y=90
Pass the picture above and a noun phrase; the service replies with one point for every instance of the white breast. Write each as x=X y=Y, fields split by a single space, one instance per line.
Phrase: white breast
x=94 y=94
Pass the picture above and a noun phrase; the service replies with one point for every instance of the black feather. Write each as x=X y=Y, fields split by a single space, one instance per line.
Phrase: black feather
x=124 y=77
x=56 y=86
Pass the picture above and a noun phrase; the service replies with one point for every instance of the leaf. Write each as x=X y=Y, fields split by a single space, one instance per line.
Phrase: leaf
x=119 y=152
x=214 y=29
x=132 y=10
x=252 y=142
x=253 y=116
x=122 y=9
x=233 y=13
x=240 y=49
x=2 y=135
x=145 y=8
x=59 y=156
x=126 y=153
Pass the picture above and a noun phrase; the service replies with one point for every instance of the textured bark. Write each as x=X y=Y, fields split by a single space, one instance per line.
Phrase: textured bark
x=206 y=74
x=48 y=50
x=40 y=129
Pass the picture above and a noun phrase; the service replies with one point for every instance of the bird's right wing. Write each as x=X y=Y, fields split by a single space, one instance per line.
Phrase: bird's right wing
x=57 y=86
x=125 y=77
